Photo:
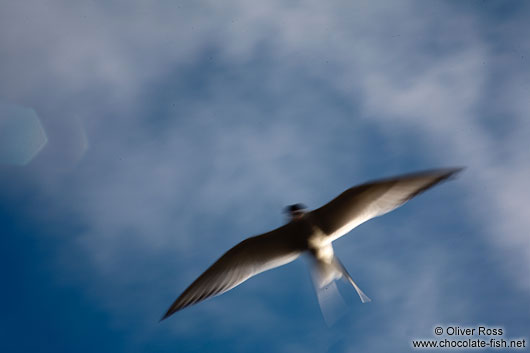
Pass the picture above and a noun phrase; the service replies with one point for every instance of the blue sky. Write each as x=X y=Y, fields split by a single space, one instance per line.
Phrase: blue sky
x=176 y=129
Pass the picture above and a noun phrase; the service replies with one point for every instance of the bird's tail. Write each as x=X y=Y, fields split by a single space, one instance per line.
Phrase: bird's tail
x=329 y=298
x=346 y=276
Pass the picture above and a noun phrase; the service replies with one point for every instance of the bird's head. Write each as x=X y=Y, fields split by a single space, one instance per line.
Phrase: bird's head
x=295 y=211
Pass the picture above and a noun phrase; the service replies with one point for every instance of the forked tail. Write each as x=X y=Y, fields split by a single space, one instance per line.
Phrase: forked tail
x=346 y=275
x=330 y=300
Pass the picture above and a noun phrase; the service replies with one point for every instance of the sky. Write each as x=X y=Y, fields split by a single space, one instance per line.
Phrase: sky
x=141 y=140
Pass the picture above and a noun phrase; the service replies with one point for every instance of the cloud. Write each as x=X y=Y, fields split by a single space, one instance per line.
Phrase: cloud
x=202 y=118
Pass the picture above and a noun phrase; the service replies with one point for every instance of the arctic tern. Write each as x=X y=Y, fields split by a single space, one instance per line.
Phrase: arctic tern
x=312 y=233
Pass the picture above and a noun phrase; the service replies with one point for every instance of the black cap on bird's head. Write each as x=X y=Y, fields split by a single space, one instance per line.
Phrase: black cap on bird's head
x=295 y=211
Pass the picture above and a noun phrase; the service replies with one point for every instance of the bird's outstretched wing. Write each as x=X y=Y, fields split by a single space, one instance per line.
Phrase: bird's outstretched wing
x=248 y=258
x=363 y=202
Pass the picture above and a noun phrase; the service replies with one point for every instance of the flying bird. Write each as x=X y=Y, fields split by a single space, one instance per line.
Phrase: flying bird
x=312 y=233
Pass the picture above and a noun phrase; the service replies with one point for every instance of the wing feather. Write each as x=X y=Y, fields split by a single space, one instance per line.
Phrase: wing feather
x=248 y=258
x=363 y=202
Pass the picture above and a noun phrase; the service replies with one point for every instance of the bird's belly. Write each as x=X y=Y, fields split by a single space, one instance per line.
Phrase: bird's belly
x=320 y=246
x=324 y=253
x=318 y=239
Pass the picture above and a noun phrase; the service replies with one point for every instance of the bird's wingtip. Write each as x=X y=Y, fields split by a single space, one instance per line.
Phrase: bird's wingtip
x=165 y=316
x=444 y=173
x=452 y=172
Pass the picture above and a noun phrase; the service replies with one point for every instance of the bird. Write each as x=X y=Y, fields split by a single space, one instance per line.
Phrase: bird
x=312 y=233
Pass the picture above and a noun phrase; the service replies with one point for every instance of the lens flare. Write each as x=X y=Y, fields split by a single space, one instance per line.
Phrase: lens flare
x=22 y=135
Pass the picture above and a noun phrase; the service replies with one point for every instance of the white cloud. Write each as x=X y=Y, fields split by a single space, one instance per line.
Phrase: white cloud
x=420 y=69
